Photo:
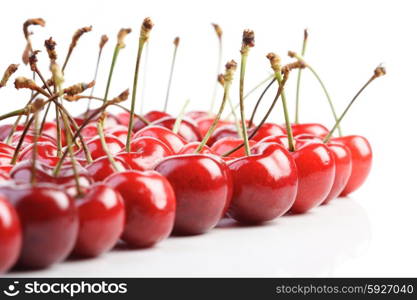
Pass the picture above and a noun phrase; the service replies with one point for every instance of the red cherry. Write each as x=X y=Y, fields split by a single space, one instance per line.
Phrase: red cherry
x=146 y=153
x=29 y=139
x=4 y=175
x=310 y=128
x=225 y=131
x=267 y=129
x=150 y=206
x=197 y=114
x=49 y=223
x=151 y=116
x=361 y=152
x=101 y=168
x=224 y=145
x=90 y=131
x=5 y=159
x=343 y=164
x=316 y=173
x=96 y=149
x=190 y=148
x=10 y=235
x=187 y=130
x=201 y=189
x=6 y=149
x=264 y=184
x=204 y=124
x=102 y=216
x=118 y=131
x=46 y=153
x=172 y=140
x=123 y=118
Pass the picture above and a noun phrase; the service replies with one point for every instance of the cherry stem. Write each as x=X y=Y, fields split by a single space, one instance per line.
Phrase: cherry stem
x=35 y=148
x=100 y=129
x=15 y=124
x=113 y=63
x=180 y=117
x=379 y=71
x=254 y=89
x=171 y=73
x=291 y=144
x=244 y=57
x=142 y=42
x=14 y=113
x=265 y=118
x=95 y=78
x=219 y=64
x=259 y=101
x=297 y=98
x=213 y=125
x=20 y=143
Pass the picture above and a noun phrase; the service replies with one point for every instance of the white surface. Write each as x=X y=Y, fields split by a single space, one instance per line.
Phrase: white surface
x=372 y=234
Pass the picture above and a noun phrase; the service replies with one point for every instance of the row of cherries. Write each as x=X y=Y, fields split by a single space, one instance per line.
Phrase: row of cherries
x=162 y=186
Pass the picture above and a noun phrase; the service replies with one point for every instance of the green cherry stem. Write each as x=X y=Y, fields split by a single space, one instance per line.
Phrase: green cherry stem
x=316 y=75
x=378 y=72
x=143 y=38
x=247 y=43
x=100 y=129
x=180 y=117
x=171 y=73
x=228 y=78
x=297 y=97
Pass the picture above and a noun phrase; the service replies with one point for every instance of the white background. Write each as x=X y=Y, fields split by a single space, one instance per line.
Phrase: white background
x=370 y=234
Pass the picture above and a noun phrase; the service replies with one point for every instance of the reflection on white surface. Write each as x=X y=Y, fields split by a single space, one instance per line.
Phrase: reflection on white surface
x=307 y=245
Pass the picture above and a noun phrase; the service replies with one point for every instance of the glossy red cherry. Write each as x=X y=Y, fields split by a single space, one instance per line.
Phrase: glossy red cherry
x=151 y=117
x=316 y=173
x=46 y=153
x=10 y=235
x=172 y=140
x=118 y=131
x=267 y=129
x=146 y=153
x=101 y=215
x=204 y=124
x=187 y=130
x=90 y=131
x=201 y=189
x=49 y=223
x=343 y=164
x=264 y=184
x=197 y=114
x=123 y=118
x=101 y=168
x=315 y=129
x=6 y=149
x=190 y=148
x=224 y=145
x=361 y=152
x=5 y=159
x=96 y=150
x=150 y=206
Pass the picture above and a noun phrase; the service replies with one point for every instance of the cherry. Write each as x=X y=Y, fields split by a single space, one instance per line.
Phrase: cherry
x=361 y=153
x=150 y=206
x=264 y=184
x=172 y=140
x=46 y=153
x=118 y=131
x=102 y=216
x=204 y=124
x=95 y=148
x=49 y=223
x=190 y=148
x=10 y=235
x=6 y=149
x=315 y=129
x=267 y=129
x=101 y=168
x=123 y=118
x=187 y=129
x=151 y=116
x=201 y=189
x=89 y=131
x=198 y=114
x=5 y=159
x=147 y=152
x=224 y=145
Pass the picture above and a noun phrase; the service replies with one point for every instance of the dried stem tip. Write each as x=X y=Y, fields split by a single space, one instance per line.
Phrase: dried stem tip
x=218 y=30
x=78 y=34
x=104 y=39
x=50 y=48
x=220 y=79
x=33 y=60
x=26 y=83
x=122 y=97
x=9 y=72
x=121 y=37
x=78 y=88
x=248 y=40
x=146 y=28
x=36 y=105
x=299 y=64
x=275 y=61
x=379 y=71
x=177 y=41
x=29 y=22
x=230 y=70
x=305 y=34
